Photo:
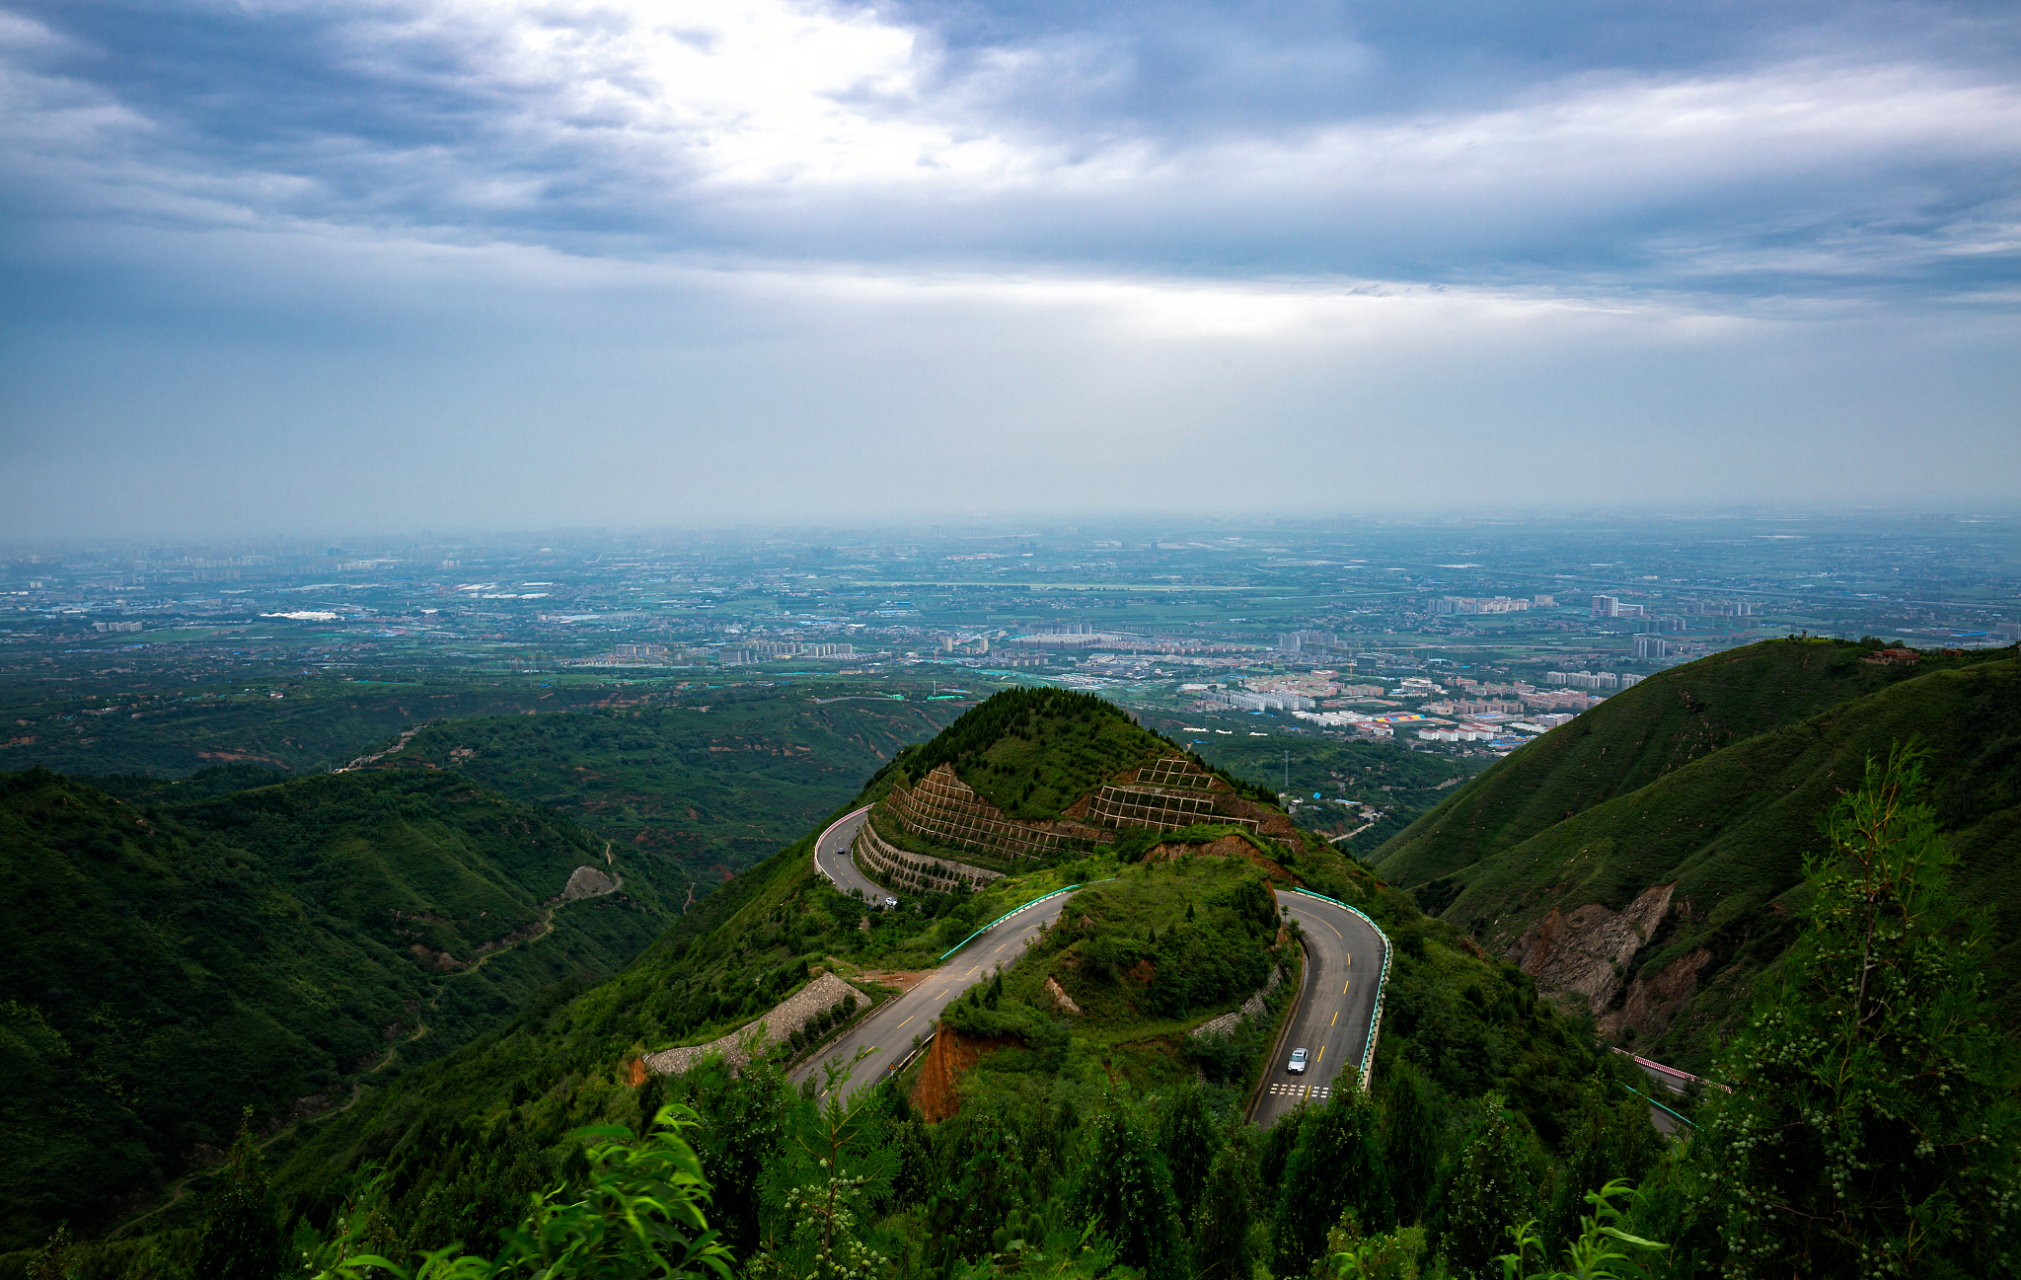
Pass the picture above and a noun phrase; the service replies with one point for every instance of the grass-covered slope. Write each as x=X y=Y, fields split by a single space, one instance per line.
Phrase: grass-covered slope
x=1033 y=752
x=1629 y=741
x=162 y=967
x=1728 y=826
x=316 y=724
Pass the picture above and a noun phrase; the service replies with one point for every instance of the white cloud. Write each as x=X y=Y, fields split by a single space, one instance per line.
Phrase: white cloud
x=787 y=130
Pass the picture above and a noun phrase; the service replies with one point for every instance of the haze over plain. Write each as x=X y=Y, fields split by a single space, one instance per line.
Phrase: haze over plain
x=515 y=264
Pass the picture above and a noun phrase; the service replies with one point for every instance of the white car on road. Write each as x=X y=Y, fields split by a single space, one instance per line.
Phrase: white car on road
x=1297 y=1064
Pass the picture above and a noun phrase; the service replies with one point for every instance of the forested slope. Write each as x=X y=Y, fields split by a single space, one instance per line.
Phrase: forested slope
x=164 y=966
x=704 y=789
x=1659 y=814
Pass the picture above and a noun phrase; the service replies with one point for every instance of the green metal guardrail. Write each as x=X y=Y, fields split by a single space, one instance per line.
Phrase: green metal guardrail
x=1381 y=983
x=1653 y=1102
x=1008 y=914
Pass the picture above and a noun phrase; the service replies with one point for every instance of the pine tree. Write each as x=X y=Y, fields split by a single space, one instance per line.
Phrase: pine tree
x=241 y=1237
x=52 y=1260
x=1127 y=1192
x=1336 y=1167
x=1224 y=1216
x=1872 y=1124
x=746 y=1116
x=1610 y=1139
x=1490 y=1191
x=1187 y=1139
x=1410 y=1141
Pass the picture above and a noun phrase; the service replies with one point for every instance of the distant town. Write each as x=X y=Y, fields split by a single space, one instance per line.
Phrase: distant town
x=1466 y=640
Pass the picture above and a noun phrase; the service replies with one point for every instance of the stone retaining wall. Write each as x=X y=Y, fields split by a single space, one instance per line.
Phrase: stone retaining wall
x=1251 y=1007
x=918 y=872
x=790 y=1015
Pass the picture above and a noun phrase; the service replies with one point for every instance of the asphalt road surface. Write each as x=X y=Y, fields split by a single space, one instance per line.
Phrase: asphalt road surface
x=1343 y=969
x=1330 y=1023
x=832 y=857
x=889 y=1033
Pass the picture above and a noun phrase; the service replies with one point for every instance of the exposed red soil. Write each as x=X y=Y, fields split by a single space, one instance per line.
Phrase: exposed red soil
x=937 y=1094
x=1225 y=847
x=900 y=980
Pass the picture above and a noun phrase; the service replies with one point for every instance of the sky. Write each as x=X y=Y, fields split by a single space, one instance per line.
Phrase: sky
x=377 y=265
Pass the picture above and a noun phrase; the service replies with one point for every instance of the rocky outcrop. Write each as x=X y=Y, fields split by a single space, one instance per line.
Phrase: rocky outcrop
x=1225 y=847
x=937 y=1093
x=1587 y=951
x=790 y=1015
x=1061 y=999
x=588 y=882
x=1652 y=1003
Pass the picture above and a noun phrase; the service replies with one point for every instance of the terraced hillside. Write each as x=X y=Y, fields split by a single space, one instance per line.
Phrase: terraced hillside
x=1642 y=858
x=1035 y=776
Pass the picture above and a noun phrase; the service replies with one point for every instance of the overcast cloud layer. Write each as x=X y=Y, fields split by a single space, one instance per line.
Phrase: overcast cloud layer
x=377 y=264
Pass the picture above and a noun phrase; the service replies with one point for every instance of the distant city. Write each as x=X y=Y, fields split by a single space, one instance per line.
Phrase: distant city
x=1449 y=637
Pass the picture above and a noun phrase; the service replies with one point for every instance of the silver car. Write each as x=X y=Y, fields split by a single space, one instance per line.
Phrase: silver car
x=1297 y=1065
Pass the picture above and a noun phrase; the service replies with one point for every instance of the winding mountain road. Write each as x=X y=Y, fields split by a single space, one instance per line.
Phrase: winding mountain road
x=832 y=858
x=1344 y=971
x=1347 y=962
x=890 y=1032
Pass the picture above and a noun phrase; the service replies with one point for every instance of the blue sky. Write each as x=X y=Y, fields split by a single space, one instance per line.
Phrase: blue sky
x=354 y=265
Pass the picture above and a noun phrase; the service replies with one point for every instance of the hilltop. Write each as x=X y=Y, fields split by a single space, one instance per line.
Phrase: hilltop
x=1036 y=777
x=1646 y=858
x=274 y=948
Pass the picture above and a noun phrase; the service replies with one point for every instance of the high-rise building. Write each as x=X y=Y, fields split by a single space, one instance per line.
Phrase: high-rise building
x=1651 y=648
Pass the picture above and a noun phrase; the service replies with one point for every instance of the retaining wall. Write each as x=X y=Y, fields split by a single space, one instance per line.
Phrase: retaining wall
x=790 y=1015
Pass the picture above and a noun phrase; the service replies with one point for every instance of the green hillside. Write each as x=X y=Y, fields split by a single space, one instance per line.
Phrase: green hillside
x=1033 y=752
x=315 y=724
x=705 y=790
x=1155 y=949
x=1710 y=777
x=705 y=781
x=166 y=965
x=1033 y=1140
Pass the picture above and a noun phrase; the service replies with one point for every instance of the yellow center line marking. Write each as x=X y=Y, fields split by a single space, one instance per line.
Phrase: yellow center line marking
x=1334 y=1023
x=1350 y=958
x=1322 y=1055
x=1336 y=933
x=901 y=1026
x=1344 y=986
